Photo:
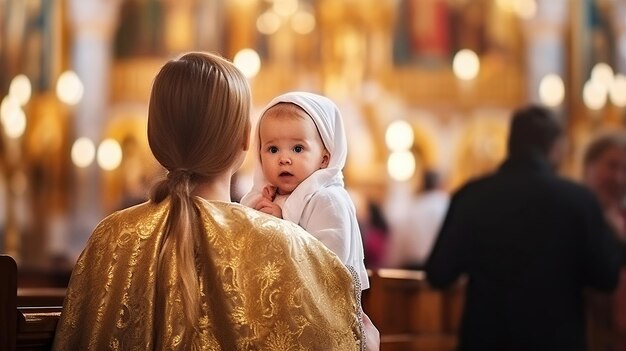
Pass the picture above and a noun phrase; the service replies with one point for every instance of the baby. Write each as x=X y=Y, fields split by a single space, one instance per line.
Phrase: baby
x=302 y=150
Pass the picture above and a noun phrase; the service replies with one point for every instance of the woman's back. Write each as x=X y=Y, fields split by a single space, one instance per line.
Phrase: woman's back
x=265 y=284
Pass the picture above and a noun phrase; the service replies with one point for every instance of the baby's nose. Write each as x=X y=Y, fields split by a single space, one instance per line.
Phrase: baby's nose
x=285 y=161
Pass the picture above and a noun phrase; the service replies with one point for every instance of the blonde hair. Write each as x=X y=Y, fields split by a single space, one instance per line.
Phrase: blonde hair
x=198 y=123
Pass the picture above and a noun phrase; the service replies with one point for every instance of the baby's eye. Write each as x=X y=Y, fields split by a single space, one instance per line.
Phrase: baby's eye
x=272 y=149
x=298 y=148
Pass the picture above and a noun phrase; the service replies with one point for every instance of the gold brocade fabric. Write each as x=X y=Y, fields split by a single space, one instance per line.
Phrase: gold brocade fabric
x=265 y=285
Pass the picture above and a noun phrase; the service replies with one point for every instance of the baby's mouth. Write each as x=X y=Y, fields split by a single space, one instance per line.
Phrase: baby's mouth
x=285 y=174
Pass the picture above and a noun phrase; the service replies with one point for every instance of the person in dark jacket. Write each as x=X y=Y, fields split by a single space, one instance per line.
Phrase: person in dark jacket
x=529 y=243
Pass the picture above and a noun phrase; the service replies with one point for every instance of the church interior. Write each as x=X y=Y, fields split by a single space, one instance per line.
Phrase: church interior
x=422 y=85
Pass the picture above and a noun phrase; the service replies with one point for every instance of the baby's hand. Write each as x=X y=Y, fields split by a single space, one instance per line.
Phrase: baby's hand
x=266 y=206
x=269 y=192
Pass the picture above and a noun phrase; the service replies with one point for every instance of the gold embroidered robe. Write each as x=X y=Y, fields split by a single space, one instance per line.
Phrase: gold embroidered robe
x=265 y=284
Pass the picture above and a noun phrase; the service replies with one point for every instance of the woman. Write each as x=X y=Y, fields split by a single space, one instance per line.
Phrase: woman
x=191 y=270
x=604 y=172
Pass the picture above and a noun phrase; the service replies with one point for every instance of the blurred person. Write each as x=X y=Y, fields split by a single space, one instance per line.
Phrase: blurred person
x=412 y=241
x=375 y=236
x=604 y=172
x=529 y=243
x=191 y=270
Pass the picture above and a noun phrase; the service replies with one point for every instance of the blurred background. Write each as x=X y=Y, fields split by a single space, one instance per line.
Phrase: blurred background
x=426 y=87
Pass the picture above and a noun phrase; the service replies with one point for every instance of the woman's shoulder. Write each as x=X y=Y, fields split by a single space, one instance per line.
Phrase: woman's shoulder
x=240 y=228
x=252 y=222
x=144 y=216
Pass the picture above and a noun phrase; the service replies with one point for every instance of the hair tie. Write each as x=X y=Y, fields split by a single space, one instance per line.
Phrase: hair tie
x=177 y=176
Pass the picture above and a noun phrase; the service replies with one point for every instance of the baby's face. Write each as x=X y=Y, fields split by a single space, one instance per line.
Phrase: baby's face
x=291 y=148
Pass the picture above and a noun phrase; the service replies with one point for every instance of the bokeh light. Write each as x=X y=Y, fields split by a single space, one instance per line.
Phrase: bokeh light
x=594 y=95
x=83 y=152
x=109 y=155
x=603 y=74
x=21 y=89
x=303 y=22
x=551 y=90
x=399 y=136
x=69 y=88
x=617 y=91
x=248 y=62
x=401 y=165
x=466 y=64
x=268 y=22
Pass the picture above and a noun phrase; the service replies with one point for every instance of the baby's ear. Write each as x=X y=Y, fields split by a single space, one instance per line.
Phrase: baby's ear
x=325 y=159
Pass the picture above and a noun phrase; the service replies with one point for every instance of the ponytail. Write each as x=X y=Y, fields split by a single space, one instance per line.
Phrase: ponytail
x=180 y=236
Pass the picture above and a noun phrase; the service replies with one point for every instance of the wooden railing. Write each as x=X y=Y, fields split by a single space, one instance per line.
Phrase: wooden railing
x=409 y=314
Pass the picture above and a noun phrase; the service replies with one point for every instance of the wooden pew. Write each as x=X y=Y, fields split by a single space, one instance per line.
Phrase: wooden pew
x=39 y=310
x=410 y=314
x=29 y=314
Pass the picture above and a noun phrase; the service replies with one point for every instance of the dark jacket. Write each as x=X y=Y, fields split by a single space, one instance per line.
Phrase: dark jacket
x=529 y=242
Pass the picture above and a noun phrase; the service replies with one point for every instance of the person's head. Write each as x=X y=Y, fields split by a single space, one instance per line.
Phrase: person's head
x=328 y=129
x=198 y=117
x=604 y=167
x=536 y=130
x=291 y=147
x=198 y=127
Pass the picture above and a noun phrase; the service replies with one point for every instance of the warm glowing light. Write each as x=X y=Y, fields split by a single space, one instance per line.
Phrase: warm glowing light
x=551 y=90
x=12 y=117
x=594 y=95
x=603 y=74
x=617 y=91
x=399 y=136
x=248 y=61
x=83 y=152
x=70 y=89
x=285 y=8
x=401 y=165
x=525 y=9
x=14 y=123
x=20 y=89
x=505 y=5
x=466 y=64
x=109 y=154
x=8 y=107
x=303 y=22
x=268 y=23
